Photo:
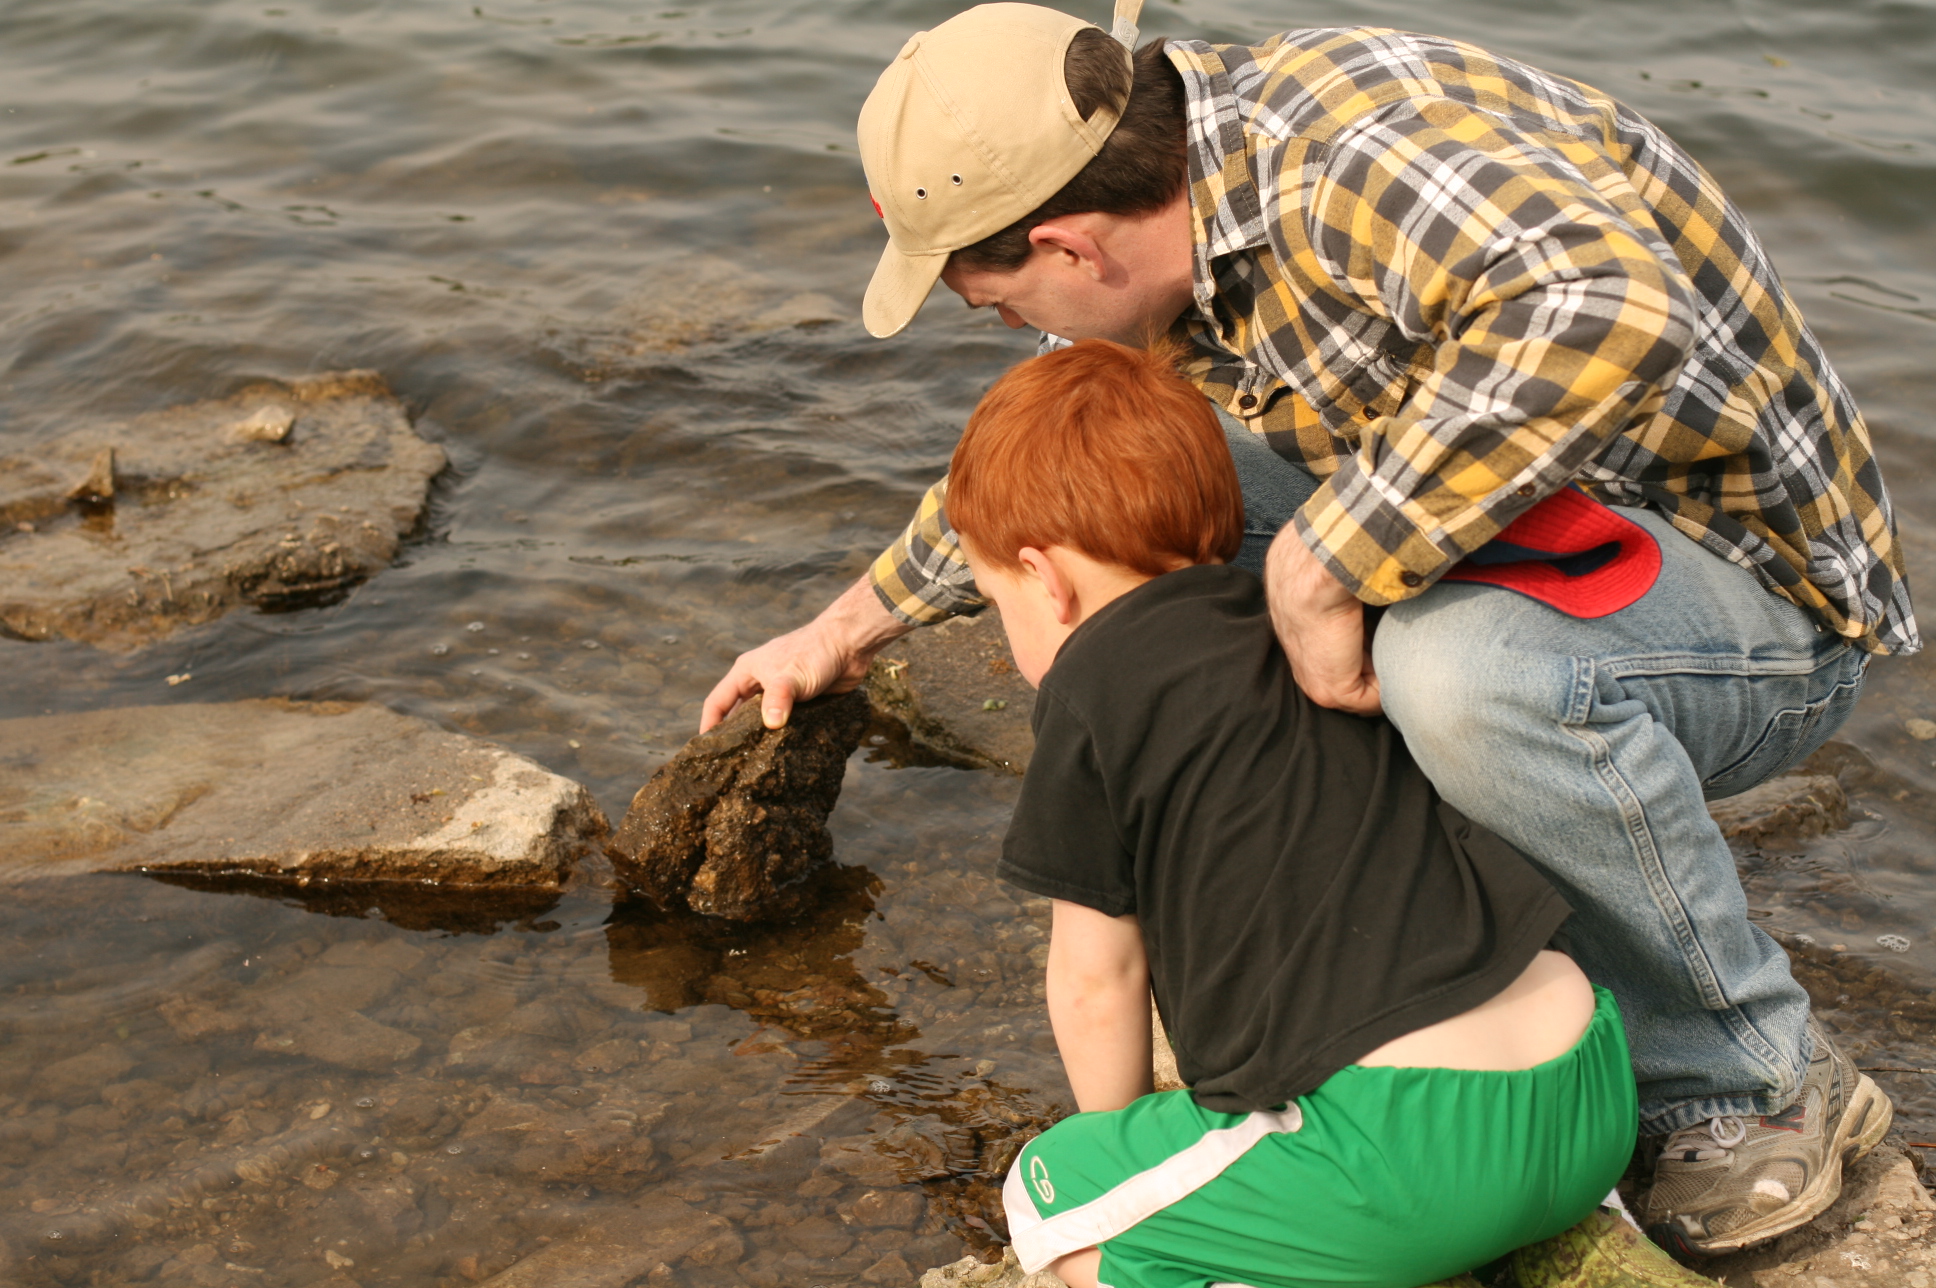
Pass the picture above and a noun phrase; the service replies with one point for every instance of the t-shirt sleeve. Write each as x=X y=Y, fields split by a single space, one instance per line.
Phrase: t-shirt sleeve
x=1064 y=841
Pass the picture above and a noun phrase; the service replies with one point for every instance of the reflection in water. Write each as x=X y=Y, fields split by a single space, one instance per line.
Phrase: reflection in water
x=612 y=259
x=433 y=1093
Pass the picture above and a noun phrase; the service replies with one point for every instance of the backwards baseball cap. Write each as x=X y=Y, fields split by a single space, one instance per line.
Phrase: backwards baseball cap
x=1569 y=552
x=970 y=128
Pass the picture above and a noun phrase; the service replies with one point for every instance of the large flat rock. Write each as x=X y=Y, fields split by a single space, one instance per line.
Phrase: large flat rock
x=283 y=789
x=956 y=689
x=123 y=532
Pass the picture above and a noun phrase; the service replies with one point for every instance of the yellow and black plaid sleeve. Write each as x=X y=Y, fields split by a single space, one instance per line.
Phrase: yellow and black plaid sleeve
x=922 y=578
x=1557 y=322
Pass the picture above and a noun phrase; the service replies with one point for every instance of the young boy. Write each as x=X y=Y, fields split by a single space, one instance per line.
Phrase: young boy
x=1391 y=1078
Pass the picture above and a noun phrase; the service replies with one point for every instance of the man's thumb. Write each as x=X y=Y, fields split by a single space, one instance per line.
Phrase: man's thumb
x=776 y=705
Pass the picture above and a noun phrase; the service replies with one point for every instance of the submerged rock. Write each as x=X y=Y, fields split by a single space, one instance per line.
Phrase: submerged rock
x=735 y=823
x=958 y=693
x=119 y=534
x=1784 y=809
x=282 y=789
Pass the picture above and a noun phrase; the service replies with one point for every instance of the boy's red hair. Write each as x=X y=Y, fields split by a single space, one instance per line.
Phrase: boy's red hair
x=1099 y=448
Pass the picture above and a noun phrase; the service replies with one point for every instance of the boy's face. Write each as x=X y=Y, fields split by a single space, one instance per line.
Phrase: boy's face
x=1042 y=602
x=1028 y=614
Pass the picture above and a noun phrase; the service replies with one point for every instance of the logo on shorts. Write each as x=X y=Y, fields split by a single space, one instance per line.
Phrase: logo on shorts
x=1038 y=1174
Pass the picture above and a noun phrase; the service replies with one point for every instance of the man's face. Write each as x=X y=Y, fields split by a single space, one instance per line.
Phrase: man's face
x=1052 y=292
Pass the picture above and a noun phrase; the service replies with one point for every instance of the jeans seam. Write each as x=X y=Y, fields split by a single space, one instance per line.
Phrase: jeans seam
x=1735 y=664
x=1640 y=839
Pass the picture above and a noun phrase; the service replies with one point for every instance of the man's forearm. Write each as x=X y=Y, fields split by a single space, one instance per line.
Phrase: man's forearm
x=858 y=617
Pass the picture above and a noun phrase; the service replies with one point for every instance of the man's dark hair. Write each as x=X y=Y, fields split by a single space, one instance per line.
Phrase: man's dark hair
x=1142 y=165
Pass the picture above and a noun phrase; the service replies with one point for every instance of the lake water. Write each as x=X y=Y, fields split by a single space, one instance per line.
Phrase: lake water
x=612 y=256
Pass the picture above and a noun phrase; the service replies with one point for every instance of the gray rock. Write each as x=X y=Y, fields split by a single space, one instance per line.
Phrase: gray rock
x=972 y=1273
x=282 y=789
x=1783 y=810
x=121 y=533
x=959 y=694
x=735 y=823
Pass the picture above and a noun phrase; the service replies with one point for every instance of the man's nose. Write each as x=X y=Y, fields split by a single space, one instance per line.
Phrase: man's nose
x=1010 y=316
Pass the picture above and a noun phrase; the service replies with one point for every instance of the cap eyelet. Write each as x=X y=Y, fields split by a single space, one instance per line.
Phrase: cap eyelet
x=922 y=193
x=955 y=179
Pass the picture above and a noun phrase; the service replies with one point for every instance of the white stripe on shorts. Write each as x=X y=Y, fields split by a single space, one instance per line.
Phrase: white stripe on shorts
x=1038 y=1241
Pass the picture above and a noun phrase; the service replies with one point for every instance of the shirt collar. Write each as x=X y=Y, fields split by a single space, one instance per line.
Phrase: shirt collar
x=1226 y=206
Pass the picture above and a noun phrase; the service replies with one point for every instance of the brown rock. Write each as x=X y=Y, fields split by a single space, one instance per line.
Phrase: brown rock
x=1784 y=809
x=278 y=496
x=891 y=1269
x=819 y=1238
x=735 y=823
x=616 y=1247
x=897 y=1209
x=906 y=1153
x=283 y=789
x=956 y=689
x=343 y=1038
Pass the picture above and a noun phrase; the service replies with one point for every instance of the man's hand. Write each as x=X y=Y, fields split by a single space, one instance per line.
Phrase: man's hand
x=1321 y=626
x=830 y=654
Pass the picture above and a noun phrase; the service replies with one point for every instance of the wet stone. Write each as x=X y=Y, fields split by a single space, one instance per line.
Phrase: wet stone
x=324 y=790
x=1783 y=810
x=970 y=1272
x=956 y=689
x=736 y=823
x=121 y=533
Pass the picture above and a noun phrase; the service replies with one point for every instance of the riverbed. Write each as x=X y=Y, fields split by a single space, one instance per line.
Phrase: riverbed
x=611 y=256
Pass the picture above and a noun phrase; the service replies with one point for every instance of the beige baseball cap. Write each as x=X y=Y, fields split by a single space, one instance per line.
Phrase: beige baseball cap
x=968 y=129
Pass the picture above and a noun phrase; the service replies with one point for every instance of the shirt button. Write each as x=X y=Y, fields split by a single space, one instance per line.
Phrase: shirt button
x=1526 y=490
x=1247 y=401
x=1369 y=412
x=1411 y=579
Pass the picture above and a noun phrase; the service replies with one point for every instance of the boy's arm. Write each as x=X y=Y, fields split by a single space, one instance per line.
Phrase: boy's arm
x=1098 y=984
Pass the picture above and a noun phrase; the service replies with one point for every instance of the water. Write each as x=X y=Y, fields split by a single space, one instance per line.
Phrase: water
x=612 y=258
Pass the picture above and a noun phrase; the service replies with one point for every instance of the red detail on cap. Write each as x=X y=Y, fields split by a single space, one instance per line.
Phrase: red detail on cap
x=1571 y=523
x=878 y=213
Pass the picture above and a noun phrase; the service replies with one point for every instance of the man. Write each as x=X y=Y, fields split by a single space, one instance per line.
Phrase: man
x=1449 y=293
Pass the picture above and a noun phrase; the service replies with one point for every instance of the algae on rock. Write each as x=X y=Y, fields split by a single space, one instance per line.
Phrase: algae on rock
x=735 y=823
x=119 y=534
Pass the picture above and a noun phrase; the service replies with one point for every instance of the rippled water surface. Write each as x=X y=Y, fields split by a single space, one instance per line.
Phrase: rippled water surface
x=611 y=256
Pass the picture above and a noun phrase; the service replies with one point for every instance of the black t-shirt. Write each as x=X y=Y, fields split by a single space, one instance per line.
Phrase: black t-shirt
x=1304 y=894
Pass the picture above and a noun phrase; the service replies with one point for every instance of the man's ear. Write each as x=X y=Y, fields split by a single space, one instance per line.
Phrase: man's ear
x=1055 y=582
x=1069 y=239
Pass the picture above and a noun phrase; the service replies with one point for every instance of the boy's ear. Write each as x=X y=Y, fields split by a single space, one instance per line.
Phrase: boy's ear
x=1054 y=580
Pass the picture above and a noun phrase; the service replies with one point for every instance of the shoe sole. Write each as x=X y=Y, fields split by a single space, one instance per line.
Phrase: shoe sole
x=1863 y=1125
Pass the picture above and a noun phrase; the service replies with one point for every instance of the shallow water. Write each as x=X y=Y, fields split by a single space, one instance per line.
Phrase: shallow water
x=612 y=257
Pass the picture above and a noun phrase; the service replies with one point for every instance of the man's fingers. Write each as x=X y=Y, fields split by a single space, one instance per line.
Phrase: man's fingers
x=726 y=695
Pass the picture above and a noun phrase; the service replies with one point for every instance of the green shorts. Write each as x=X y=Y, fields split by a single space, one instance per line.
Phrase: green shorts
x=1381 y=1178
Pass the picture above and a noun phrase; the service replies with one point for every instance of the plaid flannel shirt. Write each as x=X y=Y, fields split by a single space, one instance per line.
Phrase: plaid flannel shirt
x=1450 y=284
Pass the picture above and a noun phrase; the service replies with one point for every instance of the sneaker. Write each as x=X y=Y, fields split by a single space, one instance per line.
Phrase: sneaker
x=1733 y=1182
x=1603 y=1251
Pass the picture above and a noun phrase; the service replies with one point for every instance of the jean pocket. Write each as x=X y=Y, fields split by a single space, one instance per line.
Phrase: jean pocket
x=1790 y=738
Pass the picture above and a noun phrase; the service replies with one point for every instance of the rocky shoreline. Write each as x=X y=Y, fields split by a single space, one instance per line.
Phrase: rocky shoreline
x=291 y=493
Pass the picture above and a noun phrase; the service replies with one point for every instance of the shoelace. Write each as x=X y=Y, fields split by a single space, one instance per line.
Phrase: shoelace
x=1711 y=1139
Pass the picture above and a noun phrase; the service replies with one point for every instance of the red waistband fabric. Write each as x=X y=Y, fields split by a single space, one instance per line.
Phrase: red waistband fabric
x=1561 y=534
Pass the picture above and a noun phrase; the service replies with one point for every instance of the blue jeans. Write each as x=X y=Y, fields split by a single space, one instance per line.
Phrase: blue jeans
x=1592 y=745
